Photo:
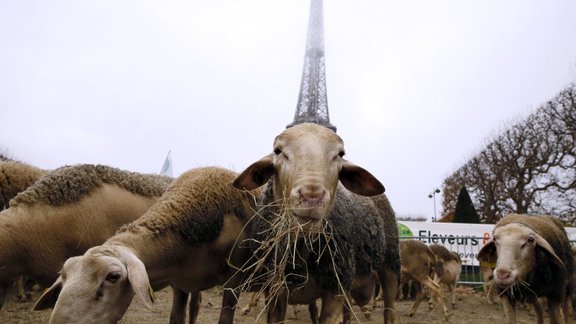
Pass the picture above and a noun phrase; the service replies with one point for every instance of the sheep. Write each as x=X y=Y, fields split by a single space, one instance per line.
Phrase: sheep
x=364 y=289
x=447 y=270
x=16 y=176
x=191 y=239
x=64 y=213
x=533 y=259
x=418 y=262
x=309 y=186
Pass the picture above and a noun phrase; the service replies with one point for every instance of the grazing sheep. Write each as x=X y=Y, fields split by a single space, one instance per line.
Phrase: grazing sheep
x=534 y=259
x=314 y=233
x=14 y=178
x=418 y=262
x=190 y=239
x=447 y=270
x=64 y=213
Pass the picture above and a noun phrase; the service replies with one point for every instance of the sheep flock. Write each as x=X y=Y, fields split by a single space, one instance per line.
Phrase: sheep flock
x=300 y=226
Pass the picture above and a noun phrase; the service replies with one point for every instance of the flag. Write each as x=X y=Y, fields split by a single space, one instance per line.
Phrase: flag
x=167 y=167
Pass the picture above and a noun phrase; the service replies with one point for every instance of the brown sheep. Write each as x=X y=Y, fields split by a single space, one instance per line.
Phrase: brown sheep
x=15 y=177
x=190 y=239
x=307 y=181
x=447 y=270
x=418 y=262
x=533 y=260
x=66 y=212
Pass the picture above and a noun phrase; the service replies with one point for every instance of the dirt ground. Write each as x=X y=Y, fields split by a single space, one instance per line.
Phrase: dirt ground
x=471 y=308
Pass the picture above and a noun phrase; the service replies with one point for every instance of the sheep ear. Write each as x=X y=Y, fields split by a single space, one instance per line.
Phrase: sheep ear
x=487 y=254
x=256 y=175
x=50 y=296
x=138 y=278
x=359 y=181
x=543 y=244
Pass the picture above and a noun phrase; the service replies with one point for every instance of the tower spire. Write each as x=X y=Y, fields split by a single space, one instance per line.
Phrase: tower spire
x=312 y=104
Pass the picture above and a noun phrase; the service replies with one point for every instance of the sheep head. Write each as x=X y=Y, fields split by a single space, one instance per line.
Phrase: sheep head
x=515 y=247
x=97 y=287
x=305 y=166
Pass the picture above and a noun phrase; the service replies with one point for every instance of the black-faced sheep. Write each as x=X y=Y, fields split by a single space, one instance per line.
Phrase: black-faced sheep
x=190 y=239
x=418 y=262
x=66 y=212
x=447 y=270
x=334 y=233
x=534 y=259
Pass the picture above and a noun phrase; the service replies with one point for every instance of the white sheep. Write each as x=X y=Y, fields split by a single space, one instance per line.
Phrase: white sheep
x=533 y=259
x=190 y=239
x=66 y=212
x=307 y=181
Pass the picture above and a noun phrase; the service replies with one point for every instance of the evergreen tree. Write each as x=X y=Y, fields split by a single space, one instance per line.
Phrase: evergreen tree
x=465 y=211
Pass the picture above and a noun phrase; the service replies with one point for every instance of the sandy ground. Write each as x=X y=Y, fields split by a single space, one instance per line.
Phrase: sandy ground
x=471 y=308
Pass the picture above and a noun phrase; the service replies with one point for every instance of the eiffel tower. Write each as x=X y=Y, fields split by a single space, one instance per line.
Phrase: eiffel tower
x=312 y=104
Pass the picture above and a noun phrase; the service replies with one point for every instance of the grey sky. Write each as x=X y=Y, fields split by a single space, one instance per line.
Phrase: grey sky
x=414 y=87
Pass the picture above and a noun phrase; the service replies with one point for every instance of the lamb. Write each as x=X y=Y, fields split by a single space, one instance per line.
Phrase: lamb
x=190 y=239
x=533 y=259
x=334 y=234
x=447 y=270
x=418 y=262
x=64 y=213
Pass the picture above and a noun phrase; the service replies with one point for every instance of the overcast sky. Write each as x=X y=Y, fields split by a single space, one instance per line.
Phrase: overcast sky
x=414 y=87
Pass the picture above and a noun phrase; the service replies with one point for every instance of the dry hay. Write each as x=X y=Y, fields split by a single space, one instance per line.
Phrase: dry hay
x=281 y=253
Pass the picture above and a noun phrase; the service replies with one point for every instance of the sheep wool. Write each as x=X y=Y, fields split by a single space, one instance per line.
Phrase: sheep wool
x=71 y=183
x=15 y=177
x=194 y=205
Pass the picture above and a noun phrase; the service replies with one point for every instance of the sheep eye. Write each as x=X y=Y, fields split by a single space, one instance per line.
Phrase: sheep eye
x=113 y=276
x=341 y=154
x=531 y=240
x=277 y=151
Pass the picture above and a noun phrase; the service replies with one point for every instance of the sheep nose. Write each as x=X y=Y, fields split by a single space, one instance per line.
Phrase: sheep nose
x=312 y=197
x=503 y=273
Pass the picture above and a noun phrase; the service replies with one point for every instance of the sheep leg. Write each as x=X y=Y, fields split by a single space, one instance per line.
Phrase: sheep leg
x=313 y=310
x=178 y=312
x=554 y=310
x=509 y=309
x=539 y=311
x=389 y=282
x=419 y=297
x=194 y=306
x=21 y=290
x=252 y=303
x=568 y=309
x=452 y=290
x=277 y=306
x=437 y=292
x=230 y=298
x=331 y=307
